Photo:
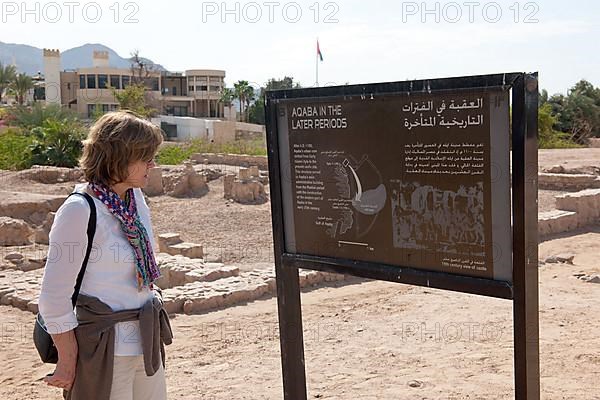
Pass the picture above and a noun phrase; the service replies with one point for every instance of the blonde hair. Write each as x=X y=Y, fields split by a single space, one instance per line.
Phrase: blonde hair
x=114 y=141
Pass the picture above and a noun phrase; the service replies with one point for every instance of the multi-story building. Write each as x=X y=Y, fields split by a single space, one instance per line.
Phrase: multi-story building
x=193 y=93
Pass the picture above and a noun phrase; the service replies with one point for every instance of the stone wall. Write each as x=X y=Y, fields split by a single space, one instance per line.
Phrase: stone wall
x=574 y=210
x=189 y=286
x=240 y=160
x=594 y=143
x=553 y=181
x=30 y=207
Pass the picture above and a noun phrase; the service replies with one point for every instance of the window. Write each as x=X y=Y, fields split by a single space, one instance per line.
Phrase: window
x=102 y=81
x=114 y=107
x=115 y=82
x=151 y=83
x=174 y=91
x=215 y=88
x=105 y=108
x=201 y=88
x=126 y=80
x=91 y=109
x=91 y=81
x=81 y=81
x=179 y=111
x=190 y=88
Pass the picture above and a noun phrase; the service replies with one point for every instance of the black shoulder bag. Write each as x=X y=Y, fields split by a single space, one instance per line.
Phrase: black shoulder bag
x=41 y=338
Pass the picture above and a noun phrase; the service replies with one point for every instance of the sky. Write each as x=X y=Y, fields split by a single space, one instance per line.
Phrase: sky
x=361 y=41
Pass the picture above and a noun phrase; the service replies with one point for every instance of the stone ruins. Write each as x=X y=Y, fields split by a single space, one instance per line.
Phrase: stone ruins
x=194 y=282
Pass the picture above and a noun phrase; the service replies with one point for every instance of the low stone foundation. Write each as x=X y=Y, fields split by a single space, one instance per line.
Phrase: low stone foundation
x=240 y=160
x=553 y=181
x=245 y=189
x=51 y=175
x=189 y=286
x=172 y=244
x=586 y=204
x=574 y=210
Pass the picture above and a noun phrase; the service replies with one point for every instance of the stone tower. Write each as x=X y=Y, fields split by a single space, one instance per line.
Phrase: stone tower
x=100 y=59
x=52 y=76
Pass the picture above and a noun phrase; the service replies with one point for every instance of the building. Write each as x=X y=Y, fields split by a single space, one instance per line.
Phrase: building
x=193 y=93
x=187 y=102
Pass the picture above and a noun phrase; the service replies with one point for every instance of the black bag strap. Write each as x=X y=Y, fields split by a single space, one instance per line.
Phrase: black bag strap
x=91 y=231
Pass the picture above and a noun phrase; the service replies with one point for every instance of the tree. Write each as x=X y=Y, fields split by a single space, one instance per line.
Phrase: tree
x=543 y=97
x=21 y=84
x=549 y=138
x=7 y=75
x=226 y=96
x=141 y=68
x=286 y=83
x=133 y=98
x=578 y=113
x=245 y=94
x=256 y=112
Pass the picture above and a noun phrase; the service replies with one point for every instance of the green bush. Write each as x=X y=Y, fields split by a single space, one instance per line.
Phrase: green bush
x=549 y=138
x=57 y=143
x=15 y=149
x=36 y=115
x=173 y=155
x=176 y=154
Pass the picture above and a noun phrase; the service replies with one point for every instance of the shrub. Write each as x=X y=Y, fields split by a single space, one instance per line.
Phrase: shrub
x=57 y=143
x=36 y=115
x=548 y=137
x=15 y=149
x=176 y=154
x=173 y=155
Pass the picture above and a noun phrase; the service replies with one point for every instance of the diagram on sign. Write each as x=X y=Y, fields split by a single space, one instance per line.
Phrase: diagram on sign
x=361 y=196
x=428 y=218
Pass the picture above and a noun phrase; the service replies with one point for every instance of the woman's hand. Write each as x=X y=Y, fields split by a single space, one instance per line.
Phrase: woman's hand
x=64 y=373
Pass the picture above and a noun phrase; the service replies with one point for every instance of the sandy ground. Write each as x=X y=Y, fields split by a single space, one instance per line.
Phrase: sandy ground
x=235 y=232
x=370 y=340
x=366 y=340
x=570 y=158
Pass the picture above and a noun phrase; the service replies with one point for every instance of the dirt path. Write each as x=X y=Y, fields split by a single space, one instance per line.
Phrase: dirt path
x=368 y=341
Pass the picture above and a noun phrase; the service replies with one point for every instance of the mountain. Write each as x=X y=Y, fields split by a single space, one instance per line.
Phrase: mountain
x=30 y=59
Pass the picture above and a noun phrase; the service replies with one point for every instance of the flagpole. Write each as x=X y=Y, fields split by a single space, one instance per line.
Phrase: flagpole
x=317 y=64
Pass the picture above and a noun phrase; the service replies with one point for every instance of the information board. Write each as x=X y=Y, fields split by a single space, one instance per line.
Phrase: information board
x=410 y=179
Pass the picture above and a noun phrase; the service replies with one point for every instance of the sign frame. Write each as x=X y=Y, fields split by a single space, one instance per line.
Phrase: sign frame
x=523 y=290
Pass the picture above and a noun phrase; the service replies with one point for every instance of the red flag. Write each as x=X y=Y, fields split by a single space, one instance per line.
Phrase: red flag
x=319 y=54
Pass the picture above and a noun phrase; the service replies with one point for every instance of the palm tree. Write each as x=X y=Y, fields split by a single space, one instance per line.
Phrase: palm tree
x=248 y=97
x=245 y=93
x=227 y=96
x=21 y=85
x=7 y=75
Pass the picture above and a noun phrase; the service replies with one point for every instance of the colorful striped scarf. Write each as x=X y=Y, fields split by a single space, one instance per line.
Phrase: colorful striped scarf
x=137 y=236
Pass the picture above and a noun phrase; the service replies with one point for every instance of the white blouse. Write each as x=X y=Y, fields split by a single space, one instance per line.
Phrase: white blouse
x=110 y=274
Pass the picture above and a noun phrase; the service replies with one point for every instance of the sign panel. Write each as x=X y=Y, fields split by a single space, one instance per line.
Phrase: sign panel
x=414 y=180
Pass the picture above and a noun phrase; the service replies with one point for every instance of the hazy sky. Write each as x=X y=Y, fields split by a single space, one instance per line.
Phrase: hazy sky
x=361 y=41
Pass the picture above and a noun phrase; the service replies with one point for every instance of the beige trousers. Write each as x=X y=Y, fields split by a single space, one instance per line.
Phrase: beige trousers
x=131 y=383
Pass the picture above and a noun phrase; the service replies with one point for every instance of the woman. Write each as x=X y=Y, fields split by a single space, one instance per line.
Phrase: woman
x=102 y=352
